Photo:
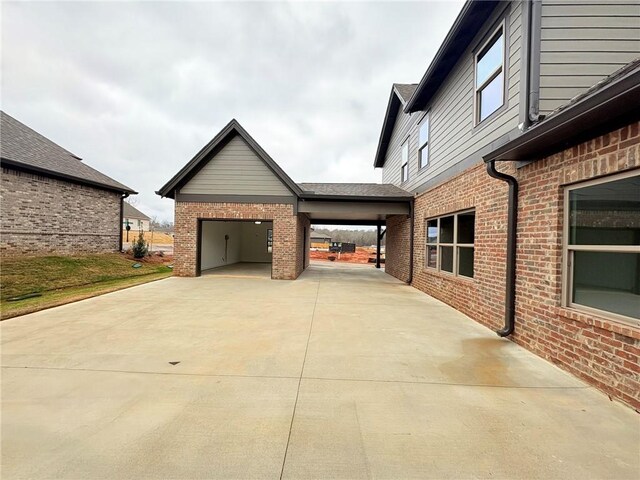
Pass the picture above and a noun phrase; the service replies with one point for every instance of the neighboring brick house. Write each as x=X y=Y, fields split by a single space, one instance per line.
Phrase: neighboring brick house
x=135 y=219
x=521 y=144
x=51 y=201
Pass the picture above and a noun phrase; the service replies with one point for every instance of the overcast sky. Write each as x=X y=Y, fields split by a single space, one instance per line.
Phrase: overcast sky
x=136 y=89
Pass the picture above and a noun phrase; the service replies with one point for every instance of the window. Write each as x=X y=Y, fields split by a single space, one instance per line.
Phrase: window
x=602 y=246
x=423 y=143
x=450 y=242
x=404 y=170
x=489 y=75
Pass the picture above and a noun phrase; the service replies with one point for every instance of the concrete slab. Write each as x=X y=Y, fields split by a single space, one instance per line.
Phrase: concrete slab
x=385 y=382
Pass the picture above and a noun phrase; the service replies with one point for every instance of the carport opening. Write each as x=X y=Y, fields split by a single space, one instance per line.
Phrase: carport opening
x=348 y=243
x=246 y=244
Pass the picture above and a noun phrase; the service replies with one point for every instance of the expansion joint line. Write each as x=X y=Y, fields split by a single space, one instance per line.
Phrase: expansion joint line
x=304 y=360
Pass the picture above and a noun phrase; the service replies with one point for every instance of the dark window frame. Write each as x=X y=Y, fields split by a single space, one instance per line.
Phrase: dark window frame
x=404 y=163
x=454 y=244
x=427 y=144
x=484 y=45
x=569 y=250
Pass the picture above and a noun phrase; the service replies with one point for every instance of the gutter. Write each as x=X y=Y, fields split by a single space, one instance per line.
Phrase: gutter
x=411 y=232
x=512 y=226
x=535 y=8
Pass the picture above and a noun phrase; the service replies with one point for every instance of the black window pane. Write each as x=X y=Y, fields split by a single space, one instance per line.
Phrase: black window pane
x=465 y=261
x=491 y=97
x=489 y=61
x=446 y=259
x=432 y=231
x=606 y=214
x=432 y=253
x=607 y=281
x=446 y=230
x=466 y=225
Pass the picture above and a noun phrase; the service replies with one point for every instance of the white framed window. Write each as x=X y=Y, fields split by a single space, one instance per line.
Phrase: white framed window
x=450 y=243
x=489 y=76
x=601 y=257
x=423 y=142
x=404 y=169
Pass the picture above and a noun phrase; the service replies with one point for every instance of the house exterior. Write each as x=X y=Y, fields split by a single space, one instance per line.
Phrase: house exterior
x=51 y=202
x=510 y=185
x=320 y=240
x=521 y=145
x=135 y=219
x=233 y=203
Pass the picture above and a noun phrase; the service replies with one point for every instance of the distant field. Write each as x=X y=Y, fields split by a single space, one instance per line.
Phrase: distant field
x=59 y=280
x=155 y=237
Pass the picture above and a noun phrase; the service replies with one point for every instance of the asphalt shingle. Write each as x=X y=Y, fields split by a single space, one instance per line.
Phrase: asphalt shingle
x=25 y=147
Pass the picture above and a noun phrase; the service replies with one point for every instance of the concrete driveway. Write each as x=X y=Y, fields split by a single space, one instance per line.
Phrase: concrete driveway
x=344 y=373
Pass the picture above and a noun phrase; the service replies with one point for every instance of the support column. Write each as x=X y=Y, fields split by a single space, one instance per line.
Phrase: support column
x=378 y=241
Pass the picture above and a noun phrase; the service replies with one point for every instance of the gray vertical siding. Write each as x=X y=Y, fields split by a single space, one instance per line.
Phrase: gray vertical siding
x=236 y=170
x=453 y=136
x=583 y=41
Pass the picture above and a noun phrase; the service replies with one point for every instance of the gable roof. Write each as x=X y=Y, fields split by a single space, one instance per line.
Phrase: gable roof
x=232 y=129
x=608 y=105
x=352 y=191
x=129 y=211
x=25 y=149
x=473 y=15
x=398 y=97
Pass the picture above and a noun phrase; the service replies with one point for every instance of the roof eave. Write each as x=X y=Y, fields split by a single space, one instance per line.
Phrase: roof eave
x=390 y=118
x=354 y=198
x=473 y=14
x=62 y=176
x=597 y=114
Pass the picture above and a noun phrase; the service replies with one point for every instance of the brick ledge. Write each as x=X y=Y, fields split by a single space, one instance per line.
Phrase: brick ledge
x=600 y=322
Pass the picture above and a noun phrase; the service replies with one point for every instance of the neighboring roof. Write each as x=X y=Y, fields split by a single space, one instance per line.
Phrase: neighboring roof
x=610 y=104
x=232 y=129
x=320 y=235
x=398 y=97
x=130 y=211
x=473 y=15
x=405 y=90
x=23 y=148
x=346 y=191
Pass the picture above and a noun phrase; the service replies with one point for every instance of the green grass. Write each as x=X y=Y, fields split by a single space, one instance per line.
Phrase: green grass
x=61 y=280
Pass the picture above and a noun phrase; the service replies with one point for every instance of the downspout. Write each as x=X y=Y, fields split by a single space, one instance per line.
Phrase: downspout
x=512 y=225
x=534 y=60
x=120 y=244
x=411 y=231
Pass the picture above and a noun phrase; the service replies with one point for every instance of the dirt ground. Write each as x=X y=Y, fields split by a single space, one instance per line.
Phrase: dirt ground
x=362 y=255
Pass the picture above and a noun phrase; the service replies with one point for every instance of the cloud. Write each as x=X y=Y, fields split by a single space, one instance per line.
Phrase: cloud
x=136 y=89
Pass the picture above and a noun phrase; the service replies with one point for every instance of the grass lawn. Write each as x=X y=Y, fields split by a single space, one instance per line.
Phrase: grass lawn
x=61 y=280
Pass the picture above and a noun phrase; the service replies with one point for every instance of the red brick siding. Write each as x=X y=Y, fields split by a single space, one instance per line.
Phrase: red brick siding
x=287 y=264
x=397 y=247
x=303 y=251
x=602 y=352
x=41 y=215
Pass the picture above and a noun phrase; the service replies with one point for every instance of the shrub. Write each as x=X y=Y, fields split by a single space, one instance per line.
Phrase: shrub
x=139 y=248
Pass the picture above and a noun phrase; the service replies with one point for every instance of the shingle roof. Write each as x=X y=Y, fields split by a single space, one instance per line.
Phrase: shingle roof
x=320 y=235
x=354 y=190
x=405 y=90
x=20 y=146
x=130 y=211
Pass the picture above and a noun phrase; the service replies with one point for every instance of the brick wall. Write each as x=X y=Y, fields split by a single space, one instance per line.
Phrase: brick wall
x=397 y=246
x=603 y=352
x=303 y=254
x=41 y=215
x=287 y=254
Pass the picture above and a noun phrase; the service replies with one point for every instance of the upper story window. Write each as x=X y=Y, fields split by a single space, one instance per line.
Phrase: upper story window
x=423 y=142
x=489 y=75
x=404 y=170
x=602 y=247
